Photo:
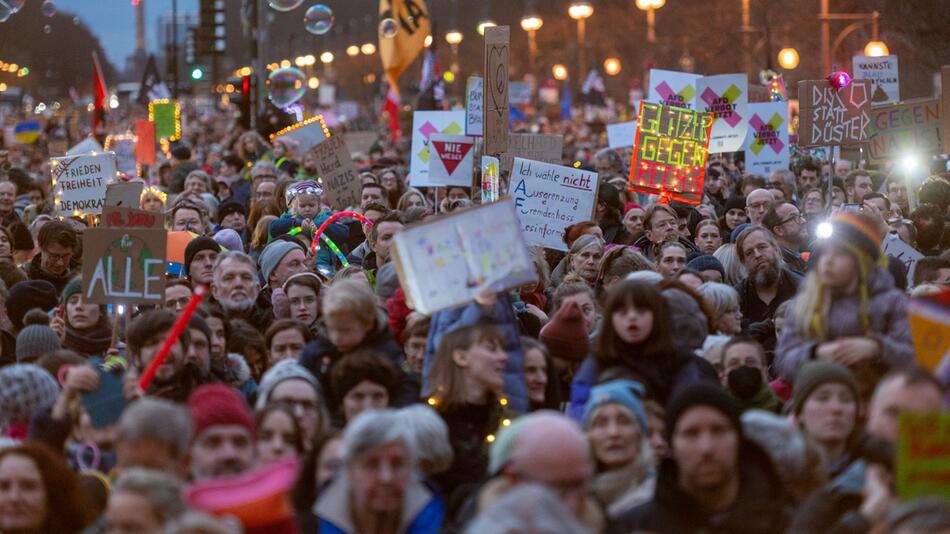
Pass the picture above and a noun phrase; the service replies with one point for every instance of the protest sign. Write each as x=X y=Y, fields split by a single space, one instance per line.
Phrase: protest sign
x=945 y=104
x=896 y=248
x=445 y=262
x=491 y=179
x=911 y=127
x=834 y=116
x=341 y=179
x=474 y=104
x=726 y=97
x=123 y=265
x=85 y=146
x=360 y=142
x=767 y=144
x=538 y=147
x=124 y=148
x=519 y=93
x=124 y=194
x=424 y=124
x=621 y=134
x=121 y=217
x=79 y=182
x=672 y=88
x=923 y=455
x=450 y=160
x=145 y=146
x=166 y=114
x=929 y=318
x=305 y=134
x=549 y=198
x=495 y=122
x=669 y=156
x=883 y=74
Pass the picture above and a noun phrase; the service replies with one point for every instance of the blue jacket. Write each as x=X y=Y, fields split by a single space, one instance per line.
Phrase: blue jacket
x=423 y=509
x=503 y=317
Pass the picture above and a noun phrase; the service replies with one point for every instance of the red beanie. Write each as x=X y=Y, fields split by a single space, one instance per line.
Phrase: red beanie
x=218 y=404
x=565 y=335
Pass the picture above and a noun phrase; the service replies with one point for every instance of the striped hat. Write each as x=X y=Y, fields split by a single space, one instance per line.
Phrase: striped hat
x=859 y=232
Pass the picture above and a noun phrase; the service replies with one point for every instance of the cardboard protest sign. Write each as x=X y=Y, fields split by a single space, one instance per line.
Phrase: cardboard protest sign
x=341 y=179
x=474 y=106
x=124 y=194
x=491 y=179
x=122 y=265
x=767 y=143
x=166 y=114
x=905 y=127
x=495 y=122
x=445 y=262
x=85 y=146
x=670 y=153
x=119 y=217
x=726 y=97
x=145 y=146
x=621 y=134
x=305 y=134
x=672 y=88
x=549 y=198
x=124 y=148
x=79 y=182
x=834 y=116
x=538 y=147
x=923 y=455
x=896 y=248
x=360 y=142
x=451 y=158
x=929 y=317
x=519 y=93
x=883 y=74
x=424 y=124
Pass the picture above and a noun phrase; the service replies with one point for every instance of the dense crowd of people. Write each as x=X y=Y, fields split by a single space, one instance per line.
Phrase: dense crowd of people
x=736 y=366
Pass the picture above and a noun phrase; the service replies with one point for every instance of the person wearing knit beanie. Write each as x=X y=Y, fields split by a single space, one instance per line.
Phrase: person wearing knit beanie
x=626 y=393
x=272 y=257
x=707 y=266
x=37 y=338
x=708 y=394
x=566 y=335
x=25 y=390
x=218 y=414
x=203 y=271
x=232 y=208
x=229 y=239
x=813 y=374
x=29 y=294
x=73 y=287
x=280 y=371
x=826 y=406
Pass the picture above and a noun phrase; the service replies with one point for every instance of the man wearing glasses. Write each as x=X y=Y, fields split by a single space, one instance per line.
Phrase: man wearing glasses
x=54 y=262
x=790 y=229
x=263 y=181
x=757 y=203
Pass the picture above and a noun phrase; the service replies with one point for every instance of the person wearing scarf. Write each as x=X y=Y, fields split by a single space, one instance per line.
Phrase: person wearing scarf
x=88 y=330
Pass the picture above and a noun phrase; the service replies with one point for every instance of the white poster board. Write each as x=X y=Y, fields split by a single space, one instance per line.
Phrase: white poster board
x=124 y=148
x=306 y=134
x=549 y=198
x=424 y=124
x=673 y=88
x=451 y=159
x=85 y=146
x=895 y=247
x=445 y=262
x=621 y=134
x=80 y=182
x=474 y=103
x=884 y=75
x=726 y=96
x=767 y=145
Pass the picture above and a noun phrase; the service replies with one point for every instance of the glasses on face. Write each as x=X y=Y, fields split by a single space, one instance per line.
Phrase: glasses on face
x=60 y=258
x=660 y=225
x=797 y=217
x=760 y=206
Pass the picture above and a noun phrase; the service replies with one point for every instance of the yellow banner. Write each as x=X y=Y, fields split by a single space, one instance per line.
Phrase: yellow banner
x=403 y=27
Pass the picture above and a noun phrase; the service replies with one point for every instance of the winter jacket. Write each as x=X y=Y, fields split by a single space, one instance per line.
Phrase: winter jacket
x=36 y=272
x=753 y=309
x=502 y=316
x=887 y=315
x=761 y=505
x=260 y=316
x=359 y=254
x=469 y=426
x=422 y=509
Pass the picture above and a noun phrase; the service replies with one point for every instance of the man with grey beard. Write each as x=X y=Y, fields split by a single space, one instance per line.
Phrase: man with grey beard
x=769 y=283
x=236 y=288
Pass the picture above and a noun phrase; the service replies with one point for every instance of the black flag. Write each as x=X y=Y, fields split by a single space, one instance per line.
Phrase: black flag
x=152 y=87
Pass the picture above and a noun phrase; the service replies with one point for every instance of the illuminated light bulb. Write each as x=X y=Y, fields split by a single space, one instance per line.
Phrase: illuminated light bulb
x=824 y=230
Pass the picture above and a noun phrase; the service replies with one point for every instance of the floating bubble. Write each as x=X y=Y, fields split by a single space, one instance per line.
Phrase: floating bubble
x=5 y=12
x=388 y=28
x=284 y=5
x=48 y=8
x=318 y=19
x=76 y=21
x=285 y=86
x=47 y=29
x=14 y=5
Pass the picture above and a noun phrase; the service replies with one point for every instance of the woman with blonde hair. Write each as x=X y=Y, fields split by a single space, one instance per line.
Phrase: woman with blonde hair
x=729 y=258
x=251 y=147
x=410 y=199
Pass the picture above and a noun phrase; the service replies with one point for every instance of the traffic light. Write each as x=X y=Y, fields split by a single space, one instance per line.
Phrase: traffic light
x=212 y=31
x=197 y=73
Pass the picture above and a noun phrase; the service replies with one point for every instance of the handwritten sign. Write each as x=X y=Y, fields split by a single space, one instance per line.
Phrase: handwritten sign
x=341 y=179
x=451 y=160
x=672 y=88
x=79 y=182
x=116 y=217
x=669 y=156
x=122 y=265
x=896 y=248
x=726 y=97
x=549 y=198
x=923 y=455
x=445 y=262
x=767 y=144
x=884 y=76
x=495 y=123
x=424 y=124
x=124 y=194
x=621 y=134
x=832 y=116
x=491 y=178
x=306 y=134
x=912 y=126
x=474 y=106
x=539 y=147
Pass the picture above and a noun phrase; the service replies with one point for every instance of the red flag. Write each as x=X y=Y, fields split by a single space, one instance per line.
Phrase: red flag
x=145 y=146
x=392 y=109
x=99 y=91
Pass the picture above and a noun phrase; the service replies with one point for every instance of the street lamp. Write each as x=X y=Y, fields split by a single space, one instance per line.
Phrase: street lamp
x=580 y=11
x=650 y=6
x=560 y=72
x=876 y=48
x=368 y=49
x=454 y=37
x=427 y=42
x=612 y=66
x=788 y=58
x=352 y=50
x=326 y=57
x=485 y=24
x=532 y=24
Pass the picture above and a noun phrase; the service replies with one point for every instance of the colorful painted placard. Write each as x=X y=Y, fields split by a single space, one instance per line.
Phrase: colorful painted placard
x=923 y=455
x=832 y=116
x=726 y=97
x=767 y=143
x=912 y=127
x=451 y=160
x=123 y=265
x=491 y=179
x=673 y=88
x=424 y=124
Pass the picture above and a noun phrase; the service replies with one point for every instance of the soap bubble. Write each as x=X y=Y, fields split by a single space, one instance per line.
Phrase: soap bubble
x=318 y=19
x=5 y=12
x=388 y=28
x=48 y=8
x=284 y=5
x=285 y=86
x=14 y=5
x=76 y=21
x=47 y=29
